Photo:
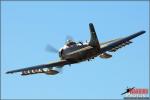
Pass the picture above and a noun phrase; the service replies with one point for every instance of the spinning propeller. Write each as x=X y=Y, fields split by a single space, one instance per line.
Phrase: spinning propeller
x=51 y=48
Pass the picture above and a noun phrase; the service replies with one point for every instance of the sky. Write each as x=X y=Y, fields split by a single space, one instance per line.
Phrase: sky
x=28 y=26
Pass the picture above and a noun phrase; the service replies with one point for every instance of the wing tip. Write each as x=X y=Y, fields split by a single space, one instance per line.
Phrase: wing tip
x=136 y=34
x=9 y=72
x=142 y=31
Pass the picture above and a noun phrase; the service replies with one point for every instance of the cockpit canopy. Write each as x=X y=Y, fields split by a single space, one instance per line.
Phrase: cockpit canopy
x=70 y=42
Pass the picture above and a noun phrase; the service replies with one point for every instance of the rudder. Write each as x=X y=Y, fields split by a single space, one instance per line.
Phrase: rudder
x=93 y=40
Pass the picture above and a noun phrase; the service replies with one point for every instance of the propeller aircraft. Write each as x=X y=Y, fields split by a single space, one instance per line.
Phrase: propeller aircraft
x=75 y=52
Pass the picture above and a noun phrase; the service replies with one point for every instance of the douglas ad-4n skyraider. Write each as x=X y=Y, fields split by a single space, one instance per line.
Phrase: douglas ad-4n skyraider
x=75 y=52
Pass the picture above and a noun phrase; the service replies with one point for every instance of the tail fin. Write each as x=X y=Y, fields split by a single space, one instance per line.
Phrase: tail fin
x=93 y=40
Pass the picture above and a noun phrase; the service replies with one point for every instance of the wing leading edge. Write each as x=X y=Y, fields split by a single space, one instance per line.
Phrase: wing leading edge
x=39 y=68
x=114 y=45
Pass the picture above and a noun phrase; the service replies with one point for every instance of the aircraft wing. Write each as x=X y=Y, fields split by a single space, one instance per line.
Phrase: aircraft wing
x=114 y=45
x=39 y=68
